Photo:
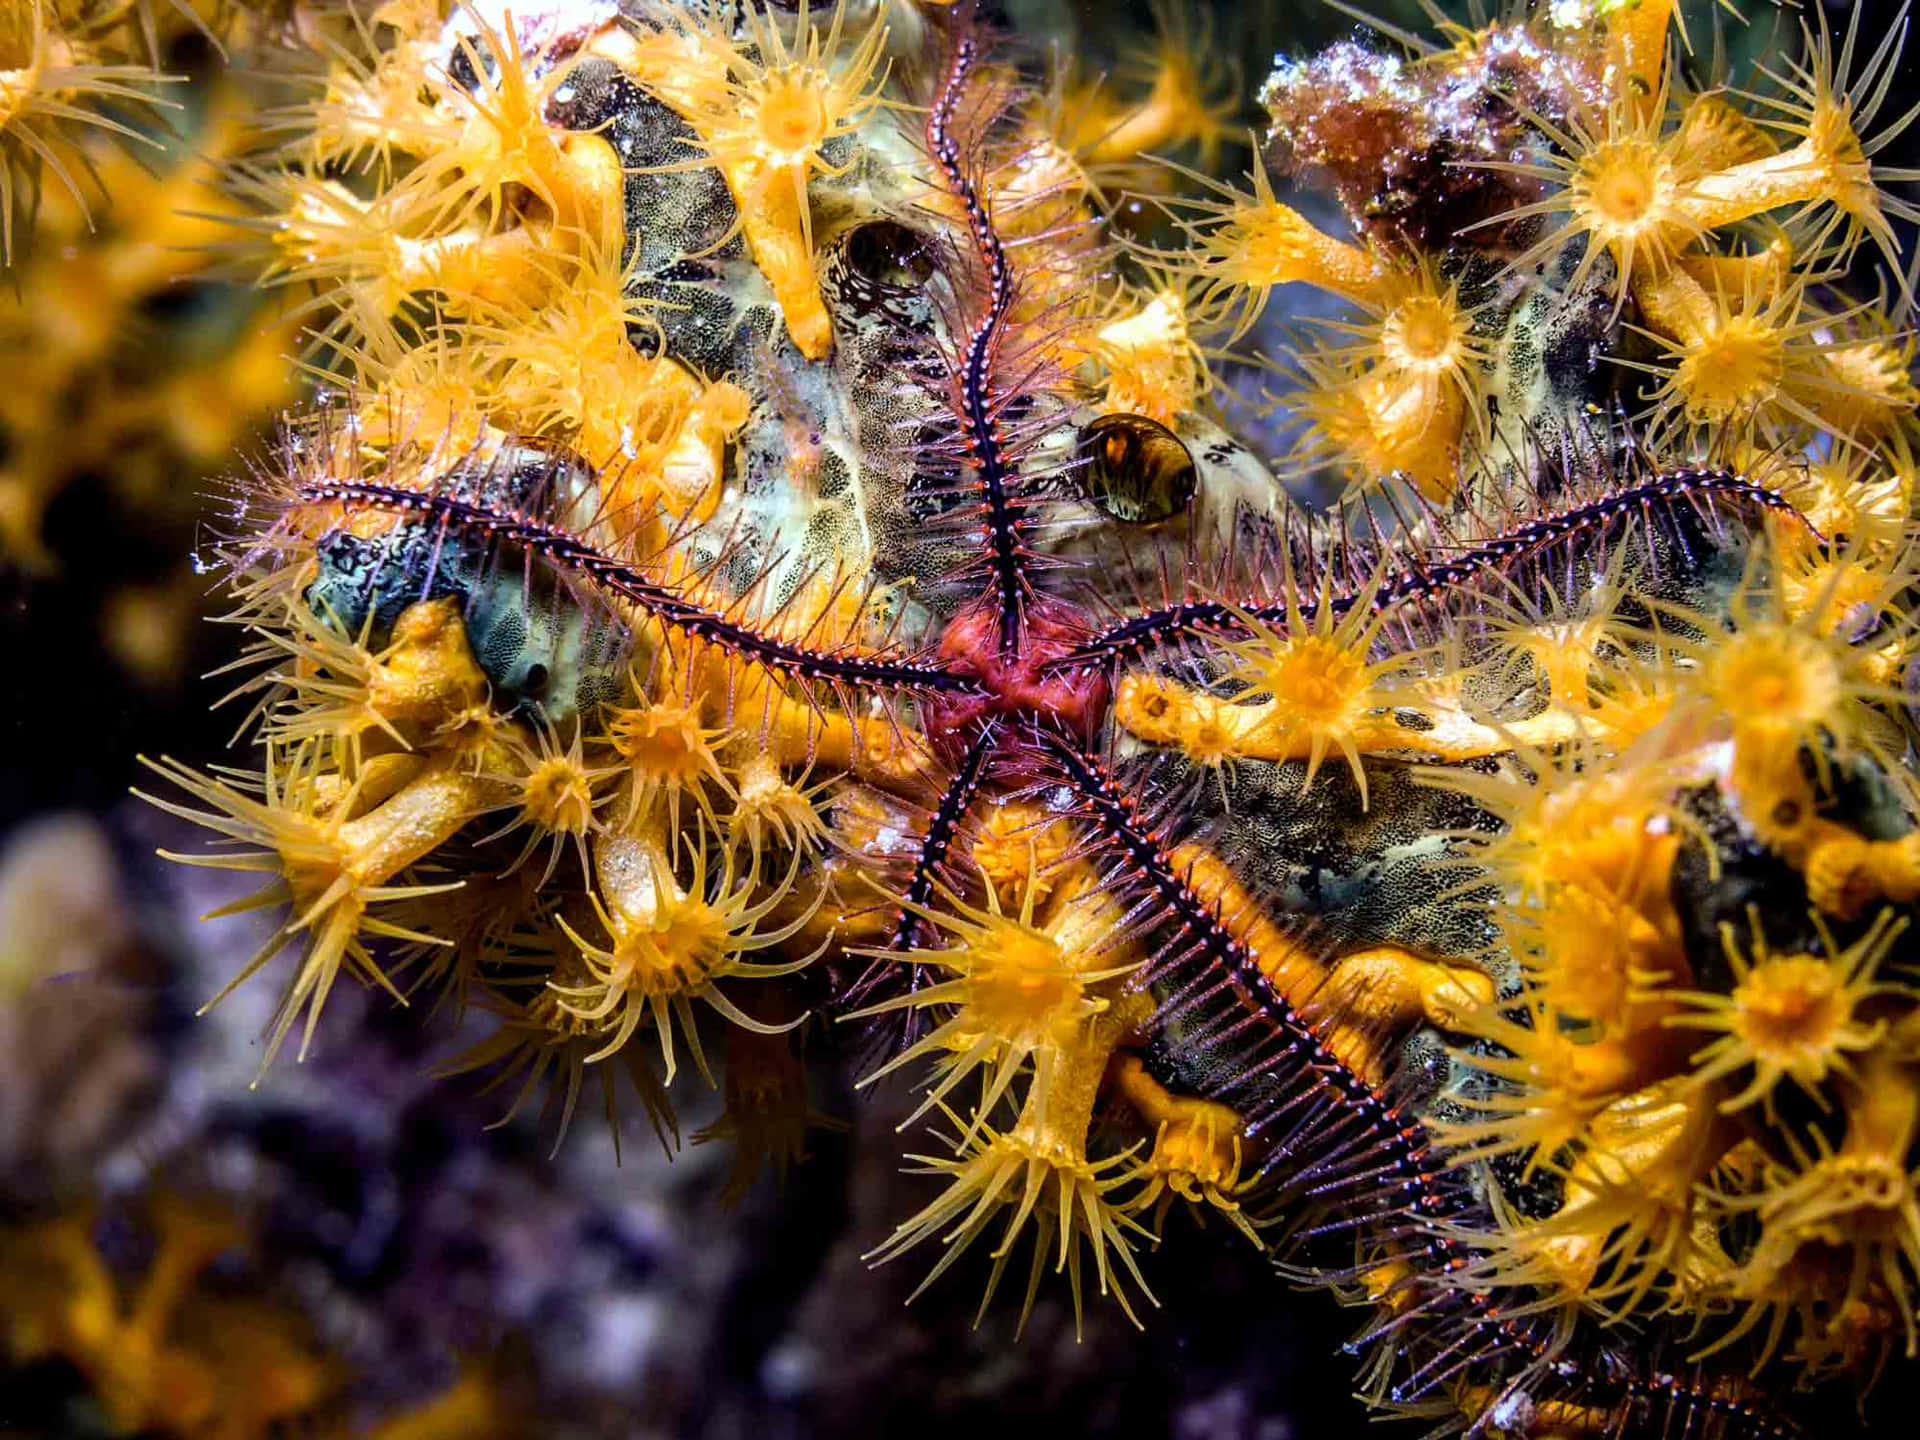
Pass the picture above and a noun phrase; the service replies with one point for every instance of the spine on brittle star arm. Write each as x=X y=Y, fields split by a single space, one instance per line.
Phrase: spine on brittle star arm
x=975 y=379
x=1350 y=1148
x=954 y=803
x=571 y=555
x=1431 y=580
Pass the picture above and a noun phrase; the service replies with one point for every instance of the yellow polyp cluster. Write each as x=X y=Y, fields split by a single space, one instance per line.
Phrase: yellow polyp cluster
x=1316 y=684
x=163 y=1353
x=1646 y=187
x=1587 y=854
x=637 y=857
x=1657 y=1101
x=1041 y=1003
x=1839 y=1246
x=772 y=549
x=475 y=201
x=62 y=70
x=765 y=114
x=333 y=861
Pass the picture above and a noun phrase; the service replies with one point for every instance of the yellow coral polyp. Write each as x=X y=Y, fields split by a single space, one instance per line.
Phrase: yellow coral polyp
x=555 y=794
x=1190 y=99
x=1795 y=1016
x=1197 y=1151
x=1148 y=356
x=1383 y=423
x=1021 y=994
x=1833 y=162
x=1622 y=185
x=770 y=808
x=671 y=946
x=1318 y=678
x=1782 y=685
x=766 y=1115
x=1729 y=360
x=764 y=123
x=670 y=753
x=1019 y=850
x=1244 y=245
x=1425 y=332
x=1866 y=386
x=330 y=865
x=48 y=88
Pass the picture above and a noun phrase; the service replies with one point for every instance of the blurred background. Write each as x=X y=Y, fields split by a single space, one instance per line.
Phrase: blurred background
x=349 y=1249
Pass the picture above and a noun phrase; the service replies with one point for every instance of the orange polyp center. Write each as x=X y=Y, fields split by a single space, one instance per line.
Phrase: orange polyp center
x=1318 y=678
x=793 y=115
x=1789 y=1005
x=1022 y=982
x=1739 y=364
x=558 y=796
x=1424 y=334
x=1623 y=185
x=1776 y=676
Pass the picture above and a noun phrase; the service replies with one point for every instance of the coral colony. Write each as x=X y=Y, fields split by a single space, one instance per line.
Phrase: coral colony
x=766 y=566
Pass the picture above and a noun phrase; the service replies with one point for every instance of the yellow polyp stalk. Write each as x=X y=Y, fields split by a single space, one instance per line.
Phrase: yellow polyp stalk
x=1264 y=243
x=1361 y=1001
x=1800 y=176
x=1040 y=1167
x=1637 y=31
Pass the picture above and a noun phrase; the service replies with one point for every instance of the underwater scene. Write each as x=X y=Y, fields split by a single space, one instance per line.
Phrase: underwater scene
x=786 y=718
